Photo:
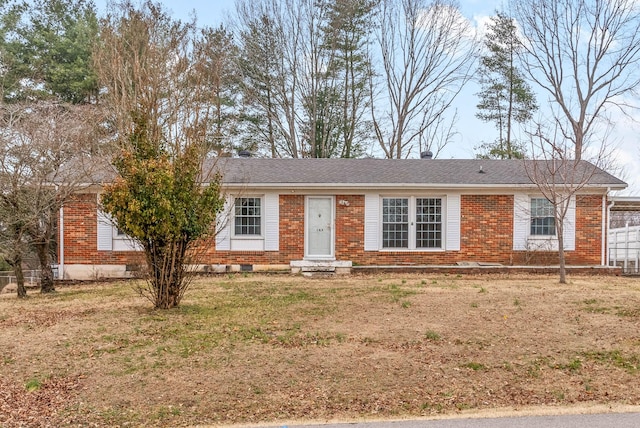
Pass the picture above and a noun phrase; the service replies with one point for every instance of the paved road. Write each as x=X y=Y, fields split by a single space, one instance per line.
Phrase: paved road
x=609 y=420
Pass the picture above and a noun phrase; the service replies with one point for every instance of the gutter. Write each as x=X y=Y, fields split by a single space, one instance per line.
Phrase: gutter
x=363 y=187
x=605 y=229
x=61 y=245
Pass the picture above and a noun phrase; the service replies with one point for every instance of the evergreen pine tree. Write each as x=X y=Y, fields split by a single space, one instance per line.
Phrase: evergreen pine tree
x=505 y=97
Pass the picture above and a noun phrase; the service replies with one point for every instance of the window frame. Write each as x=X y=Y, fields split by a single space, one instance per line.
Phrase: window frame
x=234 y=234
x=117 y=240
x=412 y=223
x=396 y=230
x=535 y=214
x=438 y=231
x=119 y=234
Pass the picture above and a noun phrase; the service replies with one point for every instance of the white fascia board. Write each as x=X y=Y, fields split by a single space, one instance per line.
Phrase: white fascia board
x=360 y=187
x=365 y=186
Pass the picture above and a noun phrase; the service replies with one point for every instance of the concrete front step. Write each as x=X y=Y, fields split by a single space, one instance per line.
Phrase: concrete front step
x=321 y=266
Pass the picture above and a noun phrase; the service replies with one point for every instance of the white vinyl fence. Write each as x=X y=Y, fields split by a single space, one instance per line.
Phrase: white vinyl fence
x=624 y=248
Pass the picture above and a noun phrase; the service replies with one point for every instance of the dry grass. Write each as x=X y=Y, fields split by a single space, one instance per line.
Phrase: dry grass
x=254 y=348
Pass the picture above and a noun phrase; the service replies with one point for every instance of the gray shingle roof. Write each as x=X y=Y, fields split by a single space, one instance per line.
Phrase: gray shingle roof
x=389 y=172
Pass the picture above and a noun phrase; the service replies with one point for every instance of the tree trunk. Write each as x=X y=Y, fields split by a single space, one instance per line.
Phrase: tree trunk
x=22 y=290
x=561 y=258
x=579 y=133
x=167 y=280
x=46 y=279
x=510 y=111
x=46 y=273
x=16 y=264
x=270 y=126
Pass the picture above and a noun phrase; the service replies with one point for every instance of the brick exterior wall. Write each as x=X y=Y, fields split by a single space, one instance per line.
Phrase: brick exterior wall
x=486 y=228
x=588 y=231
x=588 y=238
x=486 y=236
x=350 y=228
x=291 y=239
x=80 y=235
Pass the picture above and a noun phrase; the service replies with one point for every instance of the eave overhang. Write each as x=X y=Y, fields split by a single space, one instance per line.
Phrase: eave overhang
x=361 y=187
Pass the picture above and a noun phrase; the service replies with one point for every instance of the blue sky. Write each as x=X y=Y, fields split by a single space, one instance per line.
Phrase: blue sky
x=209 y=12
x=213 y=12
x=471 y=132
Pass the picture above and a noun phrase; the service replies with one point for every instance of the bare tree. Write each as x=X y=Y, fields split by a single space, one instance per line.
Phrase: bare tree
x=14 y=198
x=427 y=51
x=13 y=247
x=44 y=155
x=318 y=86
x=560 y=178
x=584 y=54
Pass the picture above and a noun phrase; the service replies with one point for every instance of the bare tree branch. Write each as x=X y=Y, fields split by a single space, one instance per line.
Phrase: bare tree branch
x=427 y=50
x=584 y=54
x=45 y=157
x=560 y=178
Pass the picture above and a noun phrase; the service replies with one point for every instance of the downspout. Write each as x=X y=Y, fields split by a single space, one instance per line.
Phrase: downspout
x=61 y=245
x=605 y=229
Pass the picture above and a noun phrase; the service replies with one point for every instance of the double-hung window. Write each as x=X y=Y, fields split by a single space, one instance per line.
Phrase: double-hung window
x=428 y=223
x=543 y=222
x=111 y=238
x=395 y=222
x=248 y=216
x=412 y=223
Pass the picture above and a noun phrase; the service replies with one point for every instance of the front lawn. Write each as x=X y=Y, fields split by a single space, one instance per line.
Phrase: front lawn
x=276 y=348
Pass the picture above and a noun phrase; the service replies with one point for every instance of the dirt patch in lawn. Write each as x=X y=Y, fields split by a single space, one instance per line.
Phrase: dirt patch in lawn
x=257 y=349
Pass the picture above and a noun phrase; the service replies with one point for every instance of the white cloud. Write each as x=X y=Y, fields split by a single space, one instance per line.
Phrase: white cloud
x=626 y=154
x=480 y=23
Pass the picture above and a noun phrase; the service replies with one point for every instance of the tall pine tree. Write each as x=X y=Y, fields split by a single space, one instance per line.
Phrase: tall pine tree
x=347 y=32
x=505 y=97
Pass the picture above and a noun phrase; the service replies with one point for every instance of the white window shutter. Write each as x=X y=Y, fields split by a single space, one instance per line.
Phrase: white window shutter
x=569 y=226
x=452 y=242
x=223 y=226
x=104 y=232
x=371 y=222
x=272 y=222
x=521 y=220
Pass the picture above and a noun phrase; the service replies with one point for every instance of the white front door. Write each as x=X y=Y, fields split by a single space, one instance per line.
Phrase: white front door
x=319 y=227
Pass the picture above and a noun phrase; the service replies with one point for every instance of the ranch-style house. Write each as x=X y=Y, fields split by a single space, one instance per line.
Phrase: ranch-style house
x=334 y=214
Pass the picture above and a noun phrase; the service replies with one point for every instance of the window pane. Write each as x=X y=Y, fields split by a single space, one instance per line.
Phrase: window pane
x=428 y=223
x=248 y=216
x=395 y=223
x=542 y=217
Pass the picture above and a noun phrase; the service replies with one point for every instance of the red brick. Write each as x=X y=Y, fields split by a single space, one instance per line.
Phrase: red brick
x=486 y=236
